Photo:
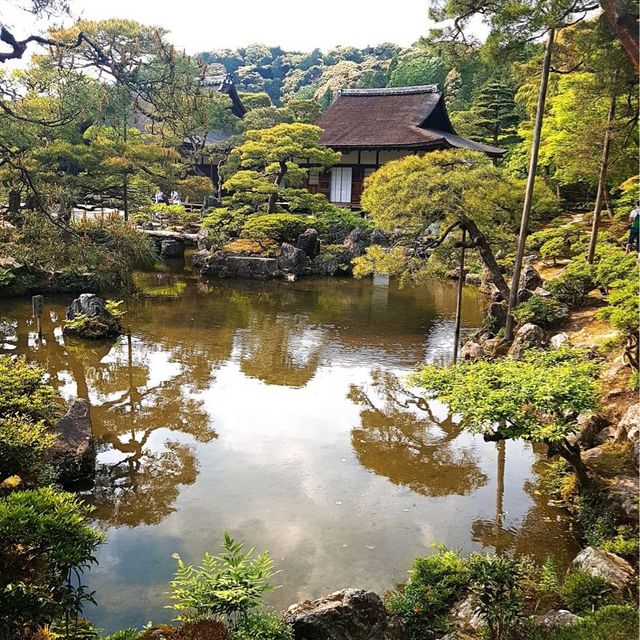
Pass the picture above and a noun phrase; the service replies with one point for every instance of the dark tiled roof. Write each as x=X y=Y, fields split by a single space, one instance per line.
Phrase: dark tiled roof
x=393 y=118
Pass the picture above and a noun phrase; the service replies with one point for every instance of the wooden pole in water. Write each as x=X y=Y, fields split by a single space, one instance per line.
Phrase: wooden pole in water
x=531 y=178
x=37 y=306
x=456 y=338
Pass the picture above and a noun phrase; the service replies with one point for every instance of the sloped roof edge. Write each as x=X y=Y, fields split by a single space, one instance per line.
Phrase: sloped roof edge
x=391 y=91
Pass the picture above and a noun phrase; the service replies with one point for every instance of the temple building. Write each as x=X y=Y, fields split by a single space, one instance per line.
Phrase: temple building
x=373 y=126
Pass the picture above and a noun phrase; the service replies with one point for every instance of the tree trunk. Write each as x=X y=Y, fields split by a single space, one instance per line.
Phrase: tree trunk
x=571 y=453
x=531 y=178
x=480 y=241
x=125 y=197
x=456 y=333
x=602 y=180
x=273 y=198
x=624 y=24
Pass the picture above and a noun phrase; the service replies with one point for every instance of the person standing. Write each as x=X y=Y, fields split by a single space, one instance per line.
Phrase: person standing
x=159 y=197
x=175 y=197
x=634 y=229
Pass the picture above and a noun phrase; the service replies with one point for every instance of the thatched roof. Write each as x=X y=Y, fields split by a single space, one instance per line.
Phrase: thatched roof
x=393 y=118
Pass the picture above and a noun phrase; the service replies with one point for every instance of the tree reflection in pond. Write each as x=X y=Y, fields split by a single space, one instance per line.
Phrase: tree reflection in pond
x=400 y=438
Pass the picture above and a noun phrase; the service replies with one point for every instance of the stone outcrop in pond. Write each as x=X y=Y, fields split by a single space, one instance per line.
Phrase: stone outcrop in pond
x=73 y=453
x=221 y=265
x=88 y=317
x=350 y=614
x=171 y=244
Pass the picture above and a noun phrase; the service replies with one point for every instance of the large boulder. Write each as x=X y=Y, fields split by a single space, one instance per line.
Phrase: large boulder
x=623 y=495
x=334 y=259
x=559 y=340
x=351 y=614
x=466 y=616
x=292 y=259
x=629 y=426
x=471 y=351
x=88 y=317
x=495 y=317
x=171 y=248
x=356 y=242
x=556 y=619
x=378 y=238
x=528 y=336
x=616 y=571
x=309 y=243
x=74 y=453
x=221 y=265
x=530 y=279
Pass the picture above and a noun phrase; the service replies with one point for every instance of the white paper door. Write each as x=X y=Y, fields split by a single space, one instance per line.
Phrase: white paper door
x=340 y=185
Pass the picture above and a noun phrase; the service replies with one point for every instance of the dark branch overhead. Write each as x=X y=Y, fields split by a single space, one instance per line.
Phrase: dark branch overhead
x=412 y=118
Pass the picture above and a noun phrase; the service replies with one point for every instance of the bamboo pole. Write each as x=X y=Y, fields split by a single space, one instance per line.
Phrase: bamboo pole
x=531 y=178
x=456 y=339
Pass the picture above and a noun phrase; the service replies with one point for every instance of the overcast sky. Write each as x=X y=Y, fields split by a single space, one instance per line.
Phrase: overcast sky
x=201 y=25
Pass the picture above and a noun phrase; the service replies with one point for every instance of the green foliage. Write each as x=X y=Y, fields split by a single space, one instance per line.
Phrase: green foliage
x=573 y=284
x=25 y=391
x=334 y=224
x=611 y=622
x=622 y=306
x=125 y=634
x=23 y=447
x=625 y=543
x=225 y=586
x=435 y=584
x=494 y=114
x=43 y=536
x=225 y=222
x=496 y=583
x=583 y=592
x=536 y=398
x=549 y=580
x=541 y=311
x=114 y=308
x=559 y=241
x=168 y=214
x=259 y=625
x=282 y=227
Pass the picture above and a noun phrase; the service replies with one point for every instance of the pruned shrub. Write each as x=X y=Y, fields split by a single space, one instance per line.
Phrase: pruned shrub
x=583 y=592
x=574 y=283
x=545 y=312
x=281 y=227
x=335 y=224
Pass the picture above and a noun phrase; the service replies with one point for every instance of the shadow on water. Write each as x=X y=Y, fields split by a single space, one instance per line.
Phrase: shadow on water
x=276 y=411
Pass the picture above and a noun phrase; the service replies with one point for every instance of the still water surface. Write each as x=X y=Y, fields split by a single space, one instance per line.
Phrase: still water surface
x=274 y=411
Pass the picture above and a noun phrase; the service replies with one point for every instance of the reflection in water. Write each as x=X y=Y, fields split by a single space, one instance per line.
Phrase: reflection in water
x=402 y=440
x=275 y=411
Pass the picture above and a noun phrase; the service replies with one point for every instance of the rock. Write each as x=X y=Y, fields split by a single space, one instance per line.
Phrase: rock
x=73 y=453
x=356 y=242
x=333 y=259
x=541 y=293
x=171 y=248
x=614 y=393
x=629 y=426
x=623 y=494
x=589 y=426
x=203 y=238
x=219 y=265
x=471 y=351
x=98 y=322
x=473 y=279
x=495 y=317
x=528 y=336
x=597 y=460
x=378 y=238
x=530 y=278
x=559 y=340
x=465 y=616
x=608 y=434
x=494 y=347
x=616 y=571
x=351 y=614
x=309 y=243
x=10 y=484
x=524 y=295
x=292 y=259
x=556 y=618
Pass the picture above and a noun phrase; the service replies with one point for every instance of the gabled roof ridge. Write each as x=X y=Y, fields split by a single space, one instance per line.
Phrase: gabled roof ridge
x=391 y=91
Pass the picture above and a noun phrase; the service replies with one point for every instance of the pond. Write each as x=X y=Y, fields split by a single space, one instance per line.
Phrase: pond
x=275 y=411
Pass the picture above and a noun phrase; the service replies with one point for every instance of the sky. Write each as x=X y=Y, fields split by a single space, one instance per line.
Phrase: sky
x=202 y=25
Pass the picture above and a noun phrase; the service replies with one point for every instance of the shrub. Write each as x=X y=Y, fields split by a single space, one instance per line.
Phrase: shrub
x=225 y=222
x=496 y=583
x=225 y=586
x=573 y=284
x=334 y=225
x=44 y=535
x=583 y=592
x=542 y=311
x=282 y=227
x=612 y=622
x=624 y=544
x=172 y=214
x=25 y=391
x=613 y=265
x=125 y=634
x=24 y=444
x=435 y=584
x=563 y=240
x=261 y=626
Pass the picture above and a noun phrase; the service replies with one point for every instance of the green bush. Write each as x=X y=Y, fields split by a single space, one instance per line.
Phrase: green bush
x=561 y=241
x=335 y=224
x=25 y=391
x=583 y=592
x=261 y=626
x=612 y=622
x=545 y=312
x=613 y=264
x=171 y=214
x=573 y=284
x=496 y=583
x=281 y=227
x=24 y=445
x=125 y=634
x=225 y=222
x=435 y=584
x=222 y=587
x=44 y=536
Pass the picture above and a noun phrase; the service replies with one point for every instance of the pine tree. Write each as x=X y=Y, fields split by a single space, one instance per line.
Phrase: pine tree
x=494 y=113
